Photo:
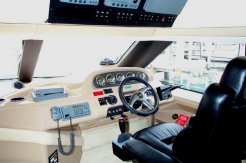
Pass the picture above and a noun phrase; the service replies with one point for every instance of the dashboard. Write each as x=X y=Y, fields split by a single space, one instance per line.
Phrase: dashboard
x=89 y=100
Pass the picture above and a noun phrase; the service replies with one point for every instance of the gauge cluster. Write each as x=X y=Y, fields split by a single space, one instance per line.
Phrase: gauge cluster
x=112 y=79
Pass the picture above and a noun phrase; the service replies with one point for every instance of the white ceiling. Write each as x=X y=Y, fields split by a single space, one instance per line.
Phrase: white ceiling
x=212 y=13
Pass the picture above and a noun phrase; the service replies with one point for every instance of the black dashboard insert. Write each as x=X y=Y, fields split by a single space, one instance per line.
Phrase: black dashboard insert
x=100 y=14
x=116 y=83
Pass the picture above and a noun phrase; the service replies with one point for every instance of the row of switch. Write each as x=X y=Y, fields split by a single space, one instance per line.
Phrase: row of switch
x=131 y=16
x=156 y=18
x=124 y=5
x=115 y=111
x=102 y=14
x=91 y=2
x=124 y=16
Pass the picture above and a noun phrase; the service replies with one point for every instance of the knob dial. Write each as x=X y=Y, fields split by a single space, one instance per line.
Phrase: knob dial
x=111 y=99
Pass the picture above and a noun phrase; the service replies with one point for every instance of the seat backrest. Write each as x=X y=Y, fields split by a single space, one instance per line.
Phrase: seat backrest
x=217 y=130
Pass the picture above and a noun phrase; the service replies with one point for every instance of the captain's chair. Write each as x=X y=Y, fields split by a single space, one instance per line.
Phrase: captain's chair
x=215 y=134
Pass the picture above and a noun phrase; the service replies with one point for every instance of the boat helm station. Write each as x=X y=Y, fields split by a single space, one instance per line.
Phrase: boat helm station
x=144 y=81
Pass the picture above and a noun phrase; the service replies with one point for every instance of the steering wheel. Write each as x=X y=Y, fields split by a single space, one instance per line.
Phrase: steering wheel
x=140 y=96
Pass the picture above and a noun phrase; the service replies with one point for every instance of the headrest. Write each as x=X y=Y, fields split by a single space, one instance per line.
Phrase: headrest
x=234 y=76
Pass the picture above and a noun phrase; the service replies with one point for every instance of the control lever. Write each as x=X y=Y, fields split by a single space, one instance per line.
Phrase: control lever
x=175 y=87
x=165 y=92
x=123 y=136
x=171 y=88
x=122 y=125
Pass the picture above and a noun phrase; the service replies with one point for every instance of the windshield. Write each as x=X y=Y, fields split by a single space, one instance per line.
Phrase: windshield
x=62 y=57
x=195 y=64
x=10 y=52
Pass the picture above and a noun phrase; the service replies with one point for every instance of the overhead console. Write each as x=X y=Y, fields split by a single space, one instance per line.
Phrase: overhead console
x=151 y=13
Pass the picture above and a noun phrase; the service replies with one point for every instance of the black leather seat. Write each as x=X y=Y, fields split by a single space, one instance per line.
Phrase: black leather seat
x=215 y=134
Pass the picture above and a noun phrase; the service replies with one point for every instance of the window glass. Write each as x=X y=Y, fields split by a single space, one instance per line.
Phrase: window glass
x=62 y=57
x=59 y=57
x=10 y=53
x=195 y=65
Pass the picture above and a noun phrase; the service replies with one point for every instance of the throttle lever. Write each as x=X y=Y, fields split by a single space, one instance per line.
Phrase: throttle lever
x=122 y=125
x=123 y=136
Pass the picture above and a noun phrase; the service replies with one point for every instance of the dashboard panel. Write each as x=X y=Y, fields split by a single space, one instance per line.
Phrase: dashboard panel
x=112 y=79
x=87 y=101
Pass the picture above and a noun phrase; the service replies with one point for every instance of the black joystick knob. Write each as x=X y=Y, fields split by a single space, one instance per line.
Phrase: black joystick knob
x=122 y=125
x=111 y=99
x=123 y=136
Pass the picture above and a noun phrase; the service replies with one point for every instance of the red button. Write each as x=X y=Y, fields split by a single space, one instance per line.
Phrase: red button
x=99 y=93
x=182 y=120
x=163 y=19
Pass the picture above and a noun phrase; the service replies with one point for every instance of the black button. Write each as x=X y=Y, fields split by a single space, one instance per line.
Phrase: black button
x=111 y=99
x=102 y=101
x=107 y=91
x=175 y=116
x=149 y=93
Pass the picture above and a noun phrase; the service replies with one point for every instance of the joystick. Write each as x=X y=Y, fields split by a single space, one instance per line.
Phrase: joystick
x=123 y=136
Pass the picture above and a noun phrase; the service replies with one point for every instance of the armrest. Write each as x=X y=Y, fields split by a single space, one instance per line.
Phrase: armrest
x=162 y=147
x=145 y=153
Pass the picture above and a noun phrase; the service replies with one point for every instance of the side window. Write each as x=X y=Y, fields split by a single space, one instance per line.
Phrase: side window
x=194 y=65
x=10 y=52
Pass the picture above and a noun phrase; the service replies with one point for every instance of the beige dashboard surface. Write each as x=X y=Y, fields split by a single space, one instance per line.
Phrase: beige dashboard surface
x=32 y=115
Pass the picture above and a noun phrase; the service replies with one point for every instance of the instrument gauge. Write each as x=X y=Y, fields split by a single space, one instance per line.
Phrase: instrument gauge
x=100 y=80
x=110 y=79
x=120 y=77
x=141 y=75
x=130 y=74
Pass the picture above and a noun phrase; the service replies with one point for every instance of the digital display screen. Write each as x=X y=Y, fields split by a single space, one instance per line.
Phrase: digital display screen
x=77 y=107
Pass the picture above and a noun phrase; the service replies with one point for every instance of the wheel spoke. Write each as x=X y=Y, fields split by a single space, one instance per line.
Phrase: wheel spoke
x=133 y=99
x=147 y=104
x=149 y=98
x=145 y=89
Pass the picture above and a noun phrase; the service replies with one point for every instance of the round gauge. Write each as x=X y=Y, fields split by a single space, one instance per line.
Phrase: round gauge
x=130 y=74
x=120 y=77
x=110 y=79
x=100 y=80
x=141 y=75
